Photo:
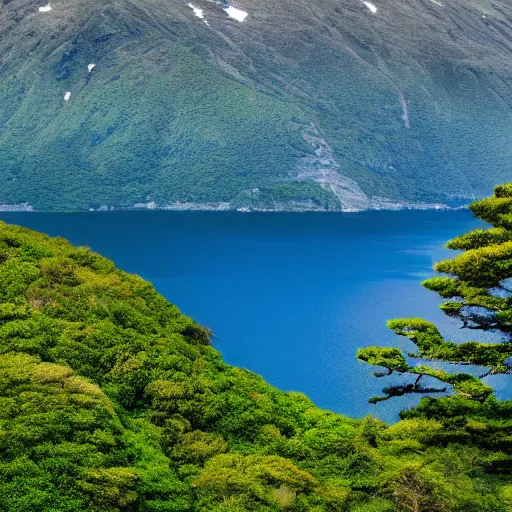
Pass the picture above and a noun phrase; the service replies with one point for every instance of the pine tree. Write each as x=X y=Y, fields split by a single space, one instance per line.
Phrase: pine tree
x=478 y=287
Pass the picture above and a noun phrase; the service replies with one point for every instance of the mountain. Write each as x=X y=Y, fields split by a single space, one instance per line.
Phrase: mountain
x=111 y=400
x=318 y=104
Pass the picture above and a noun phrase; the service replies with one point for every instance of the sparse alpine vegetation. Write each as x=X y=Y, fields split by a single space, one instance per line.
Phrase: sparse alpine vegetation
x=164 y=103
x=111 y=400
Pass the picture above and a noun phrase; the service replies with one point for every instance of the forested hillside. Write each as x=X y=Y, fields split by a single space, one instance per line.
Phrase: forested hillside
x=317 y=104
x=112 y=400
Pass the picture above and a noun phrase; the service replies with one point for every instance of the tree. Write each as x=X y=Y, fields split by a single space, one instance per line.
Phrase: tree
x=478 y=286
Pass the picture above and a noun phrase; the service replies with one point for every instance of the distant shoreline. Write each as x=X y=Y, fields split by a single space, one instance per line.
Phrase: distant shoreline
x=225 y=207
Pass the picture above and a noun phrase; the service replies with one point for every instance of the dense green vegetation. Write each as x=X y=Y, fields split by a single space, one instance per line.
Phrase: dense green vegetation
x=178 y=110
x=112 y=400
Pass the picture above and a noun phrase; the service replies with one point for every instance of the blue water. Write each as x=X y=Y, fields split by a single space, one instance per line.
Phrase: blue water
x=289 y=296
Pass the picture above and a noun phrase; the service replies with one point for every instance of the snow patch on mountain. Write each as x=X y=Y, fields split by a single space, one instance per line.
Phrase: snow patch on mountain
x=198 y=12
x=235 y=13
x=371 y=7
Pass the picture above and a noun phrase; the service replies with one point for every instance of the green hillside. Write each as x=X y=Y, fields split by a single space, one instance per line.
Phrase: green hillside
x=111 y=400
x=303 y=105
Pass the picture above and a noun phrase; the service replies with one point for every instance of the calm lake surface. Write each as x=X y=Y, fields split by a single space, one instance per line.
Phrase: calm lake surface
x=288 y=296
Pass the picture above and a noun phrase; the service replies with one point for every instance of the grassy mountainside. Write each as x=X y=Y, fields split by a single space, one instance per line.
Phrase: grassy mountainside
x=314 y=105
x=112 y=400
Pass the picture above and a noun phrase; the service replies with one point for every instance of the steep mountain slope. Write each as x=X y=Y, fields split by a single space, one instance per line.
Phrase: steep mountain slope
x=304 y=104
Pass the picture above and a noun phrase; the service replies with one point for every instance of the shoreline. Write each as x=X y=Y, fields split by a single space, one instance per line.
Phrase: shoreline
x=226 y=207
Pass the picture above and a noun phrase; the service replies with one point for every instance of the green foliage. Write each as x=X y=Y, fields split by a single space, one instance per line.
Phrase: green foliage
x=253 y=481
x=480 y=238
x=390 y=358
x=486 y=266
x=503 y=190
x=111 y=400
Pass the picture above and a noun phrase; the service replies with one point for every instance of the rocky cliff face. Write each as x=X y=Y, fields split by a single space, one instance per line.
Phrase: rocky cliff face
x=327 y=103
